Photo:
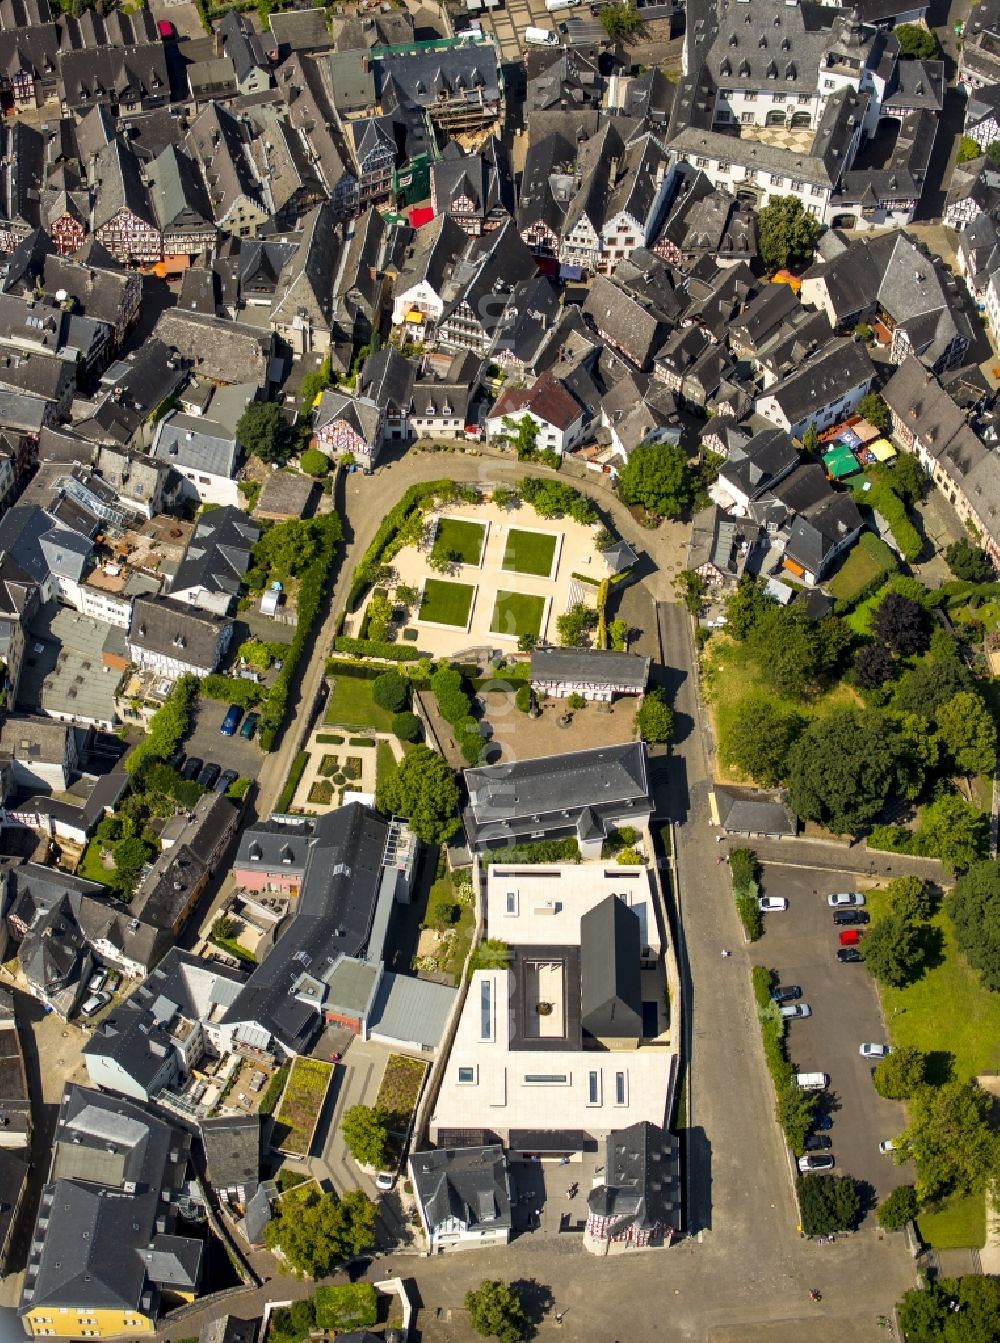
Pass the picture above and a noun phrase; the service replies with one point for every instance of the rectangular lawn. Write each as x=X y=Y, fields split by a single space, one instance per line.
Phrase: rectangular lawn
x=515 y=614
x=529 y=552
x=459 y=537
x=351 y=704
x=446 y=603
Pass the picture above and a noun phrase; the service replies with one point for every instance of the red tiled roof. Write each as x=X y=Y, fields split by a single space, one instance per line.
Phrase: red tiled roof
x=546 y=398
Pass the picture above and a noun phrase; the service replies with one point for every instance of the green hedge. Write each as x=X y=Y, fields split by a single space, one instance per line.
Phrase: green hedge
x=746 y=892
x=455 y=708
x=232 y=690
x=167 y=728
x=888 y=503
x=364 y=574
x=292 y=782
x=370 y=648
x=535 y=851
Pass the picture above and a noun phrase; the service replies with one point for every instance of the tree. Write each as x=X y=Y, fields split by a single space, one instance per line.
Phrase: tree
x=952 y=1310
x=391 y=691
x=900 y=624
x=864 y=332
x=691 y=588
x=969 y=563
x=786 y=233
x=378 y=617
x=365 y=1130
x=898 y=1076
x=894 y=951
x=423 y=790
x=618 y=635
x=495 y=1311
x=954 y=831
x=521 y=434
x=872 y=408
x=745 y=606
x=928 y=685
x=794 y=1111
x=604 y=538
x=917 y=43
x=910 y=898
x=968 y=149
x=575 y=701
x=526 y=642
x=873 y=666
x=827 y=1203
x=406 y=726
x=974 y=910
x=573 y=625
x=787 y=646
x=654 y=720
x=968 y=733
x=264 y=432
x=898 y=1208
x=810 y=440
x=288 y=548
x=314 y=462
x=759 y=739
x=843 y=768
x=314 y=1231
x=522 y=697
x=908 y=479
x=131 y=856
x=657 y=477
x=620 y=20
x=504 y=495
x=950 y=1139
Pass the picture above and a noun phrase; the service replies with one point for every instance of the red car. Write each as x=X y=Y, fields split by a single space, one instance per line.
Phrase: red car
x=850 y=937
x=166 y=30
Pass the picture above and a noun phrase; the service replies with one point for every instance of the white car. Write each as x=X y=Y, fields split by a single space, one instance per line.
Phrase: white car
x=886 y=1145
x=792 y=1010
x=874 y=1051
x=843 y=898
x=385 y=1180
x=772 y=904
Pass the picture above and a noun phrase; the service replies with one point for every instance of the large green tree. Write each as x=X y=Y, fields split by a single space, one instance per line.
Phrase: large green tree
x=827 y=1203
x=968 y=733
x=974 y=909
x=873 y=408
x=969 y=563
x=425 y=791
x=787 y=647
x=365 y=1130
x=264 y=432
x=954 y=831
x=759 y=739
x=910 y=899
x=952 y=1310
x=898 y=1208
x=657 y=477
x=315 y=1231
x=931 y=683
x=495 y=1311
x=654 y=720
x=950 y=1139
x=901 y=624
x=894 y=950
x=621 y=20
x=786 y=233
x=844 y=767
x=898 y=1076
x=917 y=43
x=745 y=606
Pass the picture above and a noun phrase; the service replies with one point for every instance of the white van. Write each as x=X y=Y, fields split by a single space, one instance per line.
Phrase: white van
x=540 y=37
x=812 y=1081
x=553 y=5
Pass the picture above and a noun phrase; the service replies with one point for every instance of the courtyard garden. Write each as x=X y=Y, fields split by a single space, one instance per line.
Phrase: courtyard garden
x=459 y=540
x=517 y=613
x=445 y=603
x=351 y=704
x=529 y=552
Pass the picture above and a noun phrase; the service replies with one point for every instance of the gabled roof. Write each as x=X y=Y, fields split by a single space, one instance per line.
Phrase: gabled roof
x=469 y=1184
x=305 y=287
x=546 y=399
x=218 y=553
x=610 y=984
x=177 y=191
x=175 y=630
x=642 y=1181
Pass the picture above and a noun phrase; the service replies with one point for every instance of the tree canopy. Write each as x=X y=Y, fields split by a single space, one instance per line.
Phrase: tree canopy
x=952 y=1310
x=873 y=666
x=827 y=1203
x=974 y=909
x=917 y=43
x=898 y=1208
x=843 y=768
x=745 y=606
x=900 y=1073
x=969 y=563
x=657 y=477
x=950 y=1139
x=968 y=733
x=654 y=720
x=315 y=1231
x=391 y=691
x=495 y=1311
x=264 y=432
x=894 y=950
x=365 y=1130
x=620 y=20
x=314 y=462
x=873 y=408
x=900 y=624
x=928 y=685
x=761 y=736
x=953 y=830
x=910 y=898
x=786 y=233
x=424 y=790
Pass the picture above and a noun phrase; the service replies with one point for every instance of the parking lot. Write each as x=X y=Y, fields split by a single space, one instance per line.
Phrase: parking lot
x=800 y=944
x=207 y=743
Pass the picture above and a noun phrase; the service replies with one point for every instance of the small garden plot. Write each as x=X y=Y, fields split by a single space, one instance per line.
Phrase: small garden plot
x=446 y=603
x=529 y=552
x=398 y=1096
x=329 y=766
x=351 y=705
x=866 y=562
x=352 y=768
x=321 y=792
x=348 y=1306
x=301 y=1104
x=516 y=613
x=459 y=539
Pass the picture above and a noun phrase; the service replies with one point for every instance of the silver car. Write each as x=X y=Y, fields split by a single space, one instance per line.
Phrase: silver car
x=792 y=1010
x=844 y=898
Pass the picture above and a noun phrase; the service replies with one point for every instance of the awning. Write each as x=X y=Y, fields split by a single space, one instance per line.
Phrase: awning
x=840 y=461
x=882 y=450
x=415 y=317
x=793 y=568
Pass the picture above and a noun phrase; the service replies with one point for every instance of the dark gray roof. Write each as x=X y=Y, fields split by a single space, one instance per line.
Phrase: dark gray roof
x=821 y=529
x=748 y=811
x=610 y=993
x=276 y=844
x=768 y=457
x=218 y=552
x=193 y=442
x=469 y=1184
x=642 y=1181
x=834 y=370
x=592 y=666
x=418 y=79
x=176 y=631
x=232 y=1151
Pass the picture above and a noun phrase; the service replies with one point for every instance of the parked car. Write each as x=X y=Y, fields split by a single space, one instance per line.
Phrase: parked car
x=227 y=777
x=793 y=1010
x=818 y=1142
x=886 y=1145
x=772 y=904
x=846 y=955
x=94 y=1003
x=786 y=993
x=822 y=1121
x=209 y=775
x=850 y=937
x=249 y=726
x=874 y=1051
x=97 y=981
x=231 y=721
x=811 y=1162
x=192 y=767
x=845 y=898
x=847 y=917
x=385 y=1180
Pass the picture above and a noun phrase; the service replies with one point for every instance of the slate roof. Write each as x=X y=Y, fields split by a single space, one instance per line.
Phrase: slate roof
x=468 y=1184
x=276 y=844
x=610 y=985
x=750 y=811
x=768 y=457
x=286 y=494
x=233 y=1152
x=194 y=443
x=594 y=666
x=177 y=192
x=416 y=79
x=226 y=352
x=176 y=630
x=642 y=1180
x=834 y=370
x=305 y=286
x=821 y=528
x=724 y=541
x=218 y=552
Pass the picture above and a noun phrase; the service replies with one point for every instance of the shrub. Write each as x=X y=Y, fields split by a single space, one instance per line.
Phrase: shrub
x=827 y=1203
x=898 y=1208
x=167 y=728
x=292 y=782
x=522 y=698
x=743 y=867
x=232 y=690
x=750 y=916
x=406 y=726
x=368 y=648
x=391 y=691
x=314 y=462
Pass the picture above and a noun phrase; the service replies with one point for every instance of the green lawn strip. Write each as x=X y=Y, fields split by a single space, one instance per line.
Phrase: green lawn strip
x=516 y=613
x=860 y=618
x=457 y=536
x=92 y=869
x=446 y=603
x=863 y=565
x=305 y=1091
x=960 y=1224
x=350 y=704
x=292 y=782
x=529 y=552
x=385 y=764
x=233 y=948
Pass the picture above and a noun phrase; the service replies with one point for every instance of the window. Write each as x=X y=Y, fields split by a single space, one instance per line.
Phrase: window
x=467 y=1077
x=701 y=163
x=510 y=906
x=828 y=83
x=750 y=96
x=486 y=1010
x=621 y=1091
x=594 y=1088
x=798 y=186
x=813 y=209
x=815 y=191
x=723 y=167
x=746 y=118
x=546 y=1079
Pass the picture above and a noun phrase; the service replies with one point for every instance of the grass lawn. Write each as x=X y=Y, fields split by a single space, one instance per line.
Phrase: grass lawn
x=446 y=603
x=529 y=552
x=306 y=1088
x=516 y=613
x=451 y=958
x=347 y=1306
x=731 y=675
x=457 y=536
x=91 y=868
x=870 y=557
x=959 y=1225
x=351 y=705
x=860 y=618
